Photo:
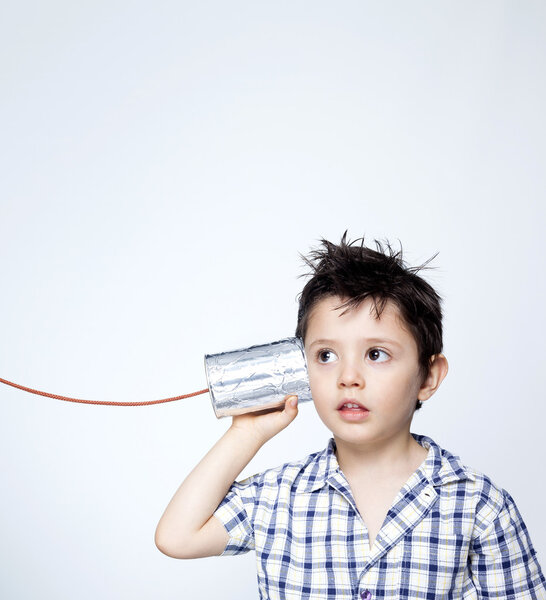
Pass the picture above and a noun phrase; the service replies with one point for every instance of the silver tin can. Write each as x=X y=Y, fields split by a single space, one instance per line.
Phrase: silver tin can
x=257 y=378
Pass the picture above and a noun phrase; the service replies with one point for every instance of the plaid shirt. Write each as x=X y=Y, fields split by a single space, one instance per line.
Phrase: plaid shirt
x=450 y=533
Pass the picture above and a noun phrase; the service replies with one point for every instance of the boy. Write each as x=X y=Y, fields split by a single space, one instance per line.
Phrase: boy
x=380 y=513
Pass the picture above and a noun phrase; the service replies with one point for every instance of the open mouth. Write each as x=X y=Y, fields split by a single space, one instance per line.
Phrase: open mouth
x=351 y=405
x=350 y=410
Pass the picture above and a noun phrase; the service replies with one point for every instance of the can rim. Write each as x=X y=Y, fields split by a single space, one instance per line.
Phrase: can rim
x=211 y=390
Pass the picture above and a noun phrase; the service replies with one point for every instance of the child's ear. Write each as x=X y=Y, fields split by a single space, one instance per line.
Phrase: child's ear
x=436 y=373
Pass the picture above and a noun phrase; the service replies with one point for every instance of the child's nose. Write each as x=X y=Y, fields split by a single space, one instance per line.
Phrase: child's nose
x=350 y=375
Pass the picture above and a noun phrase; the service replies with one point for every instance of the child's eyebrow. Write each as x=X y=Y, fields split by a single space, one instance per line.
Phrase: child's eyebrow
x=370 y=341
x=383 y=341
x=321 y=342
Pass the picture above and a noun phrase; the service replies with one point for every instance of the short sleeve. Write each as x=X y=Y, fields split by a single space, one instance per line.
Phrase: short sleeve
x=235 y=512
x=502 y=559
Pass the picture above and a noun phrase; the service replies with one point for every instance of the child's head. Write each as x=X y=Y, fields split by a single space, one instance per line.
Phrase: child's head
x=355 y=273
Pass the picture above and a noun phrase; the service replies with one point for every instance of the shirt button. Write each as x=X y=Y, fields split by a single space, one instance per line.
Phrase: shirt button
x=366 y=595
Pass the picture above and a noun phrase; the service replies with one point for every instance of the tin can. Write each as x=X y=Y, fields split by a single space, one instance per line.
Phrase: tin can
x=257 y=378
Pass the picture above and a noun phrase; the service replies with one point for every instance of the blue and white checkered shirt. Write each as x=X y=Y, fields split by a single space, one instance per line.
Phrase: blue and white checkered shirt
x=450 y=533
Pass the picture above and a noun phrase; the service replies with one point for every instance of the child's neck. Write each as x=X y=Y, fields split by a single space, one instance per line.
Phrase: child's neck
x=384 y=459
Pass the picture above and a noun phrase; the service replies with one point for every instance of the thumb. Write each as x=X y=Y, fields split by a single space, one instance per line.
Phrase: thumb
x=290 y=408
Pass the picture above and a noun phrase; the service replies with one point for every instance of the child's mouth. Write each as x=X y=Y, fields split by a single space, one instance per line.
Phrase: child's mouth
x=352 y=411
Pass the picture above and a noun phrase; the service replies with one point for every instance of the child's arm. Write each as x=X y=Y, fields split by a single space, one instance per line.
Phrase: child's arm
x=187 y=528
x=503 y=561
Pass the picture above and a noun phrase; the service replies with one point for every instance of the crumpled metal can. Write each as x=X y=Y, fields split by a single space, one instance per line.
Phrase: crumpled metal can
x=258 y=377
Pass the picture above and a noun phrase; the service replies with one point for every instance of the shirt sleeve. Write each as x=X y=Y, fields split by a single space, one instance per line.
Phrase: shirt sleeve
x=502 y=558
x=236 y=512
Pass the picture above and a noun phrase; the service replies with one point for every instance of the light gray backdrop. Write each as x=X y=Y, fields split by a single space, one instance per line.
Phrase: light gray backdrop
x=162 y=166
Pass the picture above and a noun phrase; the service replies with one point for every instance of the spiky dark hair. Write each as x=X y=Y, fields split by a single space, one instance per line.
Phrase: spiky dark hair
x=355 y=272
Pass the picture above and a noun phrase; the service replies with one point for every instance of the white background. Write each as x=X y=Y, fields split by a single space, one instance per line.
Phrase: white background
x=163 y=165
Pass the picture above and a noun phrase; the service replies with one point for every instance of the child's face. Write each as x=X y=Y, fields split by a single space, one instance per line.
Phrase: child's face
x=363 y=371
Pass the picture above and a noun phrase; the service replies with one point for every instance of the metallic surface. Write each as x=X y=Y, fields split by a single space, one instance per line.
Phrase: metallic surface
x=257 y=378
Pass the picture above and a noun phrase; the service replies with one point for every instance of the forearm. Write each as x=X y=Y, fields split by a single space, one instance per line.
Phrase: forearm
x=204 y=488
x=187 y=529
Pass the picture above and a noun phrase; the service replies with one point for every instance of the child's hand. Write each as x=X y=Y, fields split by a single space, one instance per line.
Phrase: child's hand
x=264 y=425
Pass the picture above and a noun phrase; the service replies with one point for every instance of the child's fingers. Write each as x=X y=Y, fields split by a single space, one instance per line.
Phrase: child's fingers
x=291 y=401
x=268 y=423
x=291 y=407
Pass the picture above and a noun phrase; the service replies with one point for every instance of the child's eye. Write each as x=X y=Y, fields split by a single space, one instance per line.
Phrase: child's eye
x=378 y=355
x=326 y=356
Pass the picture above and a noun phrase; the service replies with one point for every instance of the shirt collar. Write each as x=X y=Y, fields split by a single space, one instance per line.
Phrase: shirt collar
x=440 y=466
x=324 y=466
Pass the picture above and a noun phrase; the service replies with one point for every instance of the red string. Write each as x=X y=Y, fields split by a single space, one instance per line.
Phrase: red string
x=103 y=402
